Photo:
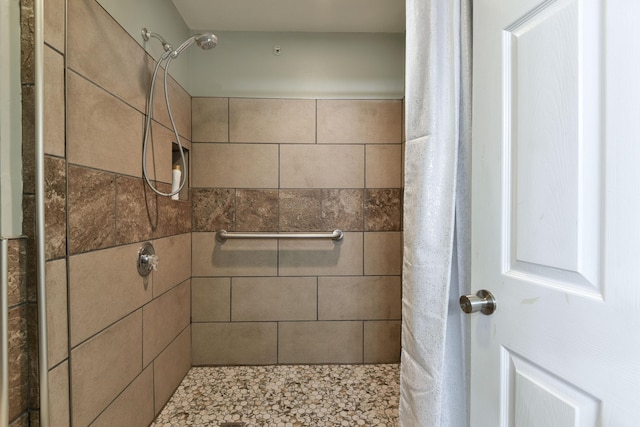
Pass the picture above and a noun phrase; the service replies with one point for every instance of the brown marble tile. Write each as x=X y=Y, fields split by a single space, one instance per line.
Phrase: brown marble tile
x=300 y=210
x=32 y=345
x=168 y=212
x=55 y=198
x=213 y=209
x=21 y=421
x=342 y=209
x=28 y=228
x=28 y=139
x=34 y=418
x=383 y=209
x=136 y=212
x=17 y=286
x=92 y=217
x=27 y=36
x=184 y=216
x=18 y=362
x=257 y=210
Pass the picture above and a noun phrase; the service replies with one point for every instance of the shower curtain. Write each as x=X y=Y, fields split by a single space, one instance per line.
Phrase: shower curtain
x=437 y=213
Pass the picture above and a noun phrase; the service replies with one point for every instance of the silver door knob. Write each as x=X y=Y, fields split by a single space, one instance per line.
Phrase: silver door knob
x=483 y=301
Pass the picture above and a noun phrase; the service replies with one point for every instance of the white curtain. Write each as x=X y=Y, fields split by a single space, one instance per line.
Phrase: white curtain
x=436 y=213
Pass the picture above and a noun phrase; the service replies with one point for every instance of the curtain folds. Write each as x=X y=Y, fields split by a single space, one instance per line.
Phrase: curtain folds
x=436 y=213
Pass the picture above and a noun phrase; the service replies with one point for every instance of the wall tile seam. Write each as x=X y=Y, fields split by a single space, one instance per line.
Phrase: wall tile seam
x=116 y=173
x=65 y=360
x=123 y=101
x=117 y=245
x=173 y=287
x=20 y=305
x=104 y=329
x=187 y=326
x=52 y=47
x=112 y=401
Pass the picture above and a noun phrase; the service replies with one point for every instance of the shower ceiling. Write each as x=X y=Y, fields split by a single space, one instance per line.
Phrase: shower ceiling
x=376 y=16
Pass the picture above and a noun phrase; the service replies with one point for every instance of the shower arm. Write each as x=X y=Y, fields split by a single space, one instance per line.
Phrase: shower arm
x=146 y=35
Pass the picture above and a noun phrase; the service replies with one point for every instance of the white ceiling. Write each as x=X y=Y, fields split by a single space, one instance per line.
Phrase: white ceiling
x=385 y=16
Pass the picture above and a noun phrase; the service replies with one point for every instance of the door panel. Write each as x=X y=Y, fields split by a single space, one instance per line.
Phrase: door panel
x=555 y=202
x=552 y=109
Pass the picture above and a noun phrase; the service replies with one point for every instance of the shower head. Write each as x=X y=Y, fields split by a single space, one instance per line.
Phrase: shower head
x=205 y=40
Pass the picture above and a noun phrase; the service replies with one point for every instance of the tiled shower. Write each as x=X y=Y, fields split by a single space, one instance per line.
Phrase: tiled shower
x=119 y=344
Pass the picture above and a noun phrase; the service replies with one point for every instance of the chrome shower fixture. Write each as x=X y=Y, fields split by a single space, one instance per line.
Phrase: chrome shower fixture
x=205 y=40
x=146 y=35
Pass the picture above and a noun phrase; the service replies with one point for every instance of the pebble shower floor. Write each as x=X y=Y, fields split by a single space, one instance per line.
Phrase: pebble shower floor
x=285 y=396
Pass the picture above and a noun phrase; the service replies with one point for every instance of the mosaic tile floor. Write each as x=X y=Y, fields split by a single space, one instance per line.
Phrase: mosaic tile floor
x=286 y=396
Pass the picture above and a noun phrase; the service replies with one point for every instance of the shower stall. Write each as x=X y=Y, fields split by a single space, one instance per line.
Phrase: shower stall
x=269 y=158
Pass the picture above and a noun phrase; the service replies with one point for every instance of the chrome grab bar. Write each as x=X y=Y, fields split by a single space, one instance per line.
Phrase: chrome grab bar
x=223 y=235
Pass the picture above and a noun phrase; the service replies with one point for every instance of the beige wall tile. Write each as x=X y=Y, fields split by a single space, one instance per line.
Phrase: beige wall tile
x=234 y=165
x=53 y=101
x=240 y=343
x=233 y=257
x=134 y=407
x=103 y=287
x=272 y=120
x=210 y=299
x=180 y=105
x=57 y=328
x=322 y=257
x=102 y=131
x=54 y=11
x=170 y=367
x=159 y=153
x=59 y=395
x=120 y=70
x=382 y=341
x=273 y=298
x=210 y=119
x=322 y=166
x=175 y=262
x=163 y=319
x=320 y=342
x=354 y=298
x=359 y=121
x=383 y=253
x=384 y=166
x=103 y=366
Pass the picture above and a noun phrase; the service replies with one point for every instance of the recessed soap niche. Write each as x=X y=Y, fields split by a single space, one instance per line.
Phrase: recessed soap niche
x=176 y=160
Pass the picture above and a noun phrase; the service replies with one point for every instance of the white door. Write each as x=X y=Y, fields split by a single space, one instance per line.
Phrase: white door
x=556 y=213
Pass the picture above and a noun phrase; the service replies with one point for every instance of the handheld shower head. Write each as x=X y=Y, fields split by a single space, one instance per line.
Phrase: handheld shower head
x=204 y=40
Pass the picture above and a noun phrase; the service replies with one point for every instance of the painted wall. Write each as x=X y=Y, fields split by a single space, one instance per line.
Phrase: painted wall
x=10 y=119
x=310 y=65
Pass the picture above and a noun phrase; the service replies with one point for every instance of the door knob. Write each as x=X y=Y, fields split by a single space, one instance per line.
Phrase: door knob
x=483 y=301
